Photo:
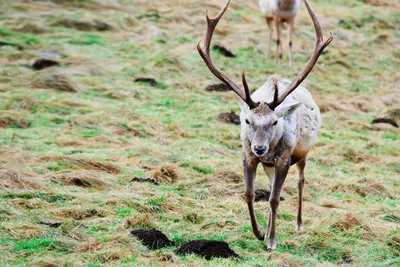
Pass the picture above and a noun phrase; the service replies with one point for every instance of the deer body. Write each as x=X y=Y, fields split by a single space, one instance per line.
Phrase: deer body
x=279 y=12
x=279 y=125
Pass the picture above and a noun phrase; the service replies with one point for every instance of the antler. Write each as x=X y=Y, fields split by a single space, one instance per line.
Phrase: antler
x=319 y=48
x=205 y=54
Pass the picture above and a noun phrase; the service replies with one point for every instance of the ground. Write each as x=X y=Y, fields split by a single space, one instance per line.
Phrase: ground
x=74 y=136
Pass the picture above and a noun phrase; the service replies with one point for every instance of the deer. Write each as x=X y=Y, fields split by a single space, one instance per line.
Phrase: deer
x=280 y=12
x=279 y=126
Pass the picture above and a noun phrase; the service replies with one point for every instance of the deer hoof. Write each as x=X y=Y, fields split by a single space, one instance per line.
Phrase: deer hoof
x=299 y=227
x=271 y=245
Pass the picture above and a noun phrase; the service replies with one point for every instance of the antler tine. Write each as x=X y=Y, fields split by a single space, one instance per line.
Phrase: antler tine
x=249 y=101
x=319 y=48
x=205 y=54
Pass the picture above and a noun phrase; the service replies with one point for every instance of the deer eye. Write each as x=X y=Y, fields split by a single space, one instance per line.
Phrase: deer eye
x=275 y=123
x=247 y=121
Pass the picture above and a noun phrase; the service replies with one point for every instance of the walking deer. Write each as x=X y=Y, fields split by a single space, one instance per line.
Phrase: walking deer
x=279 y=125
x=280 y=12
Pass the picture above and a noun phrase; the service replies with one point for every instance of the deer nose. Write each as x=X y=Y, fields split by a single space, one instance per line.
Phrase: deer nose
x=260 y=149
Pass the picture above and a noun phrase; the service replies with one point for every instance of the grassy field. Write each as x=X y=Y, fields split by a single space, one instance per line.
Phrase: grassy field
x=72 y=137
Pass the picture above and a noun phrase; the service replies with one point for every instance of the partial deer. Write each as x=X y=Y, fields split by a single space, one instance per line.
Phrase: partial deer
x=280 y=12
x=279 y=125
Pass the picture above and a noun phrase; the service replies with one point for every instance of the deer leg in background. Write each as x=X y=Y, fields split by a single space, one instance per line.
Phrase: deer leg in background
x=300 y=185
x=278 y=38
x=291 y=28
x=281 y=171
x=269 y=21
x=250 y=169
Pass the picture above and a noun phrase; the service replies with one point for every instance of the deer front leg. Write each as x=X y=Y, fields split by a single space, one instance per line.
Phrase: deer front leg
x=300 y=185
x=269 y=21
x=281 y=170
x=291 y=27
x=250 y=169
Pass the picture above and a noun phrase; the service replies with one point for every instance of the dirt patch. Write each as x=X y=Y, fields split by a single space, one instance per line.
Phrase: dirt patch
x=145 y=180
x=208 y=249
x=263 y=195
x=152 y=238
x=224 y=51
x=89 y=164
x=166 y=174
x=18 y=123
x=43 y=63
x=149 y=81
x=229 y=117
x=55 y=81
x=80 y=179
x=51 y=225
x=220 y=87
x=83 y=25
x=13 y=180
x=385 y=120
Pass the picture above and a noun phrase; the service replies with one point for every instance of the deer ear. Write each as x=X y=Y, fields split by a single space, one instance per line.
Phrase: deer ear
x=286 y=110
x=243 y=105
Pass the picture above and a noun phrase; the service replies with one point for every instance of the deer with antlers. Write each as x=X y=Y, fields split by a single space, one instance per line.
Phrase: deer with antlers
x=279 y=125
x=280 y=12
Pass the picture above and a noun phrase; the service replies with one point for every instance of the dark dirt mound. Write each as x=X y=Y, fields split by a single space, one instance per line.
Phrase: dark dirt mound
x=229 y=117
x=263 y=195
x=51 y=225
x=208 y=249
x=223 y=51
x=43 y=63
x=145 y=180
x=152 y=238
x=219 y=87
x=150 y=81
x=385 y=120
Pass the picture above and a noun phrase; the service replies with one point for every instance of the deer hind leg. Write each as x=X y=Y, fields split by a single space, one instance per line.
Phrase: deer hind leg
x=300 y=185
x=291 y=27
x=250 y=176
x=269 y=21
x=278 y=39
x=276 y=188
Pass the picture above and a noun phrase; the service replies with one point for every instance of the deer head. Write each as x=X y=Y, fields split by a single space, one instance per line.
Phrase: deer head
x=262 y=121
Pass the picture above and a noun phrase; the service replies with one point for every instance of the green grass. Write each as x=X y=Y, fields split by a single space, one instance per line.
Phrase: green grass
x=115 y=130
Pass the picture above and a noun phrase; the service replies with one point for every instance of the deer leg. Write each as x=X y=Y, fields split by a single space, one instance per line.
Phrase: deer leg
x=300 y=185
x=291 y=27
x=250 y=169
x=269 y=23
x=281 y=171
x=271 y=175
x=278 y=38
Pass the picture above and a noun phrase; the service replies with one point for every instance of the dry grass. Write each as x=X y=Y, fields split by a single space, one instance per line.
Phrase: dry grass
x=166 y=174
x=13 y=180
x=81 y=179
x=48 y=79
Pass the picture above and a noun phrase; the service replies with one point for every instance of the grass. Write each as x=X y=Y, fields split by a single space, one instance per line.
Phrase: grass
x=69 y=157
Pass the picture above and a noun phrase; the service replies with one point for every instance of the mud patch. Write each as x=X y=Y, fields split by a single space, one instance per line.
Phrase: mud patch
x=229 y=117
x=220 y=87
x=263 y=195
x=10 y=122
x=385 y=120
x=152 y=238
x=149 y=81
x=55 y=81
x=80 y=179
x=145 y=180
x=51 y=225
x=43 y=63
x=207 y=249
x=223 y=51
